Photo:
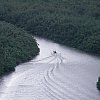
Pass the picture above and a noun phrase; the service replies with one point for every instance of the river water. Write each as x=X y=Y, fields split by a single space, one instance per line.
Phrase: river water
x=67 y=75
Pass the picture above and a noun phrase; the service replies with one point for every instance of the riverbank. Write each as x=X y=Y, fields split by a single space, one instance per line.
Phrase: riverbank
x=16 y=47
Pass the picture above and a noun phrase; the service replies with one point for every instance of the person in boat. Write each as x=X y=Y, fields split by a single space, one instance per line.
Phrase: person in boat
x=54 y=52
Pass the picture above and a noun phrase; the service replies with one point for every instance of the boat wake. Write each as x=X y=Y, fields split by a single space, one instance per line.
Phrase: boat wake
x=61 y=84
x=52 y=80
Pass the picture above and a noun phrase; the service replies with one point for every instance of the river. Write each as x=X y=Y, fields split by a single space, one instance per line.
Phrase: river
x=68 y=75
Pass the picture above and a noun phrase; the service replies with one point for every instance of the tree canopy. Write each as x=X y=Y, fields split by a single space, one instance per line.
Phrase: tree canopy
x=74 y=23
x=16 y=46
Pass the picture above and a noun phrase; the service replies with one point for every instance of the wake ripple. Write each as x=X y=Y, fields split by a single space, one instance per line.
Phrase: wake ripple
x=57 y=86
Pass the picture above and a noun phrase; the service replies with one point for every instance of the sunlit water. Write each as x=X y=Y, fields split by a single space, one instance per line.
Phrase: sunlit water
x=69 y=75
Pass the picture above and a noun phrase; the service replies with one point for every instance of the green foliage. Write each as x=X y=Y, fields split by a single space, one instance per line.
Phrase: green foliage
x=74 y=23
x=16 y=46
x=98 y=84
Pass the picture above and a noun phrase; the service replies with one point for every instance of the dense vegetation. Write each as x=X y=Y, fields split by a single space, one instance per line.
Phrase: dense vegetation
x=74 y=23
x=98 y=84
x=16 y=46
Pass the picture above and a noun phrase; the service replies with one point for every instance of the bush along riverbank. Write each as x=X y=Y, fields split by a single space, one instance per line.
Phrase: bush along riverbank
x=98 y=84
x=16 y=46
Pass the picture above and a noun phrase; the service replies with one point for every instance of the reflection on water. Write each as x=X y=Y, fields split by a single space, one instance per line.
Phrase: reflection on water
x=51 y=79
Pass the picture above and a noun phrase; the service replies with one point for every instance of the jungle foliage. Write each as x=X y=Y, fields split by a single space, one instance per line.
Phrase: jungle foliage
x=74 y=23
x=16 y=46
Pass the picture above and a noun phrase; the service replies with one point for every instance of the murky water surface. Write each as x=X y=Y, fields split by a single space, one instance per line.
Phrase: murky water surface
x=67 y=75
